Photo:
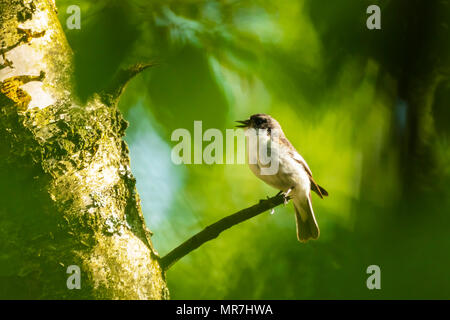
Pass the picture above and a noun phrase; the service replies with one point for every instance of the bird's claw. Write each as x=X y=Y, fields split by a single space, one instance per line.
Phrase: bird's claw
x=286 y=196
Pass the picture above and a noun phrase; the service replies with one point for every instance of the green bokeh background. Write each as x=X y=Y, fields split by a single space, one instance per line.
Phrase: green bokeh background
x=333 y=85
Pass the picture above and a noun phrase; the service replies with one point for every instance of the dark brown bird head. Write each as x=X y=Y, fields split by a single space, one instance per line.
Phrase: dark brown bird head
x=260 y=121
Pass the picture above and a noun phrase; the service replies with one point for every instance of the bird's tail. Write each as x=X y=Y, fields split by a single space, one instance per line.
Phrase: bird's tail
x=307 y=227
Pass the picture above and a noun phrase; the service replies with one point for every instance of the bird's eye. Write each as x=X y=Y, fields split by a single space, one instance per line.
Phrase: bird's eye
x=259 y=121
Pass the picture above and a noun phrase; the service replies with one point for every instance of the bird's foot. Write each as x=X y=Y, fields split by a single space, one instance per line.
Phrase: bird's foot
x=286 y=196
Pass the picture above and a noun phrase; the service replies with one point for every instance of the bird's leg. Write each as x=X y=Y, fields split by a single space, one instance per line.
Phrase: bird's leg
x=286 y=195
x=289 y=191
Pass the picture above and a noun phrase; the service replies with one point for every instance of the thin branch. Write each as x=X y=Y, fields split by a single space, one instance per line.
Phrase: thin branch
x=122 y=78
x=212 y=231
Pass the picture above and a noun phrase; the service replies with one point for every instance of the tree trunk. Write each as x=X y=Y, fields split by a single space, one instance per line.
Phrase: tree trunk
x=425 y=65
x=67 y=196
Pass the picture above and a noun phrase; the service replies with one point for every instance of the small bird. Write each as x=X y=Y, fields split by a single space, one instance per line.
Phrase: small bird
x=293 y=175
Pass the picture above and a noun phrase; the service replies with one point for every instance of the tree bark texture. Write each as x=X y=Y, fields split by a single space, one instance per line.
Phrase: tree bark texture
x=67 y=195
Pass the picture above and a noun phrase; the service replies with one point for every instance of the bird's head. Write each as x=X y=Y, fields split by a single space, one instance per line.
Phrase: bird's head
x=259 y=121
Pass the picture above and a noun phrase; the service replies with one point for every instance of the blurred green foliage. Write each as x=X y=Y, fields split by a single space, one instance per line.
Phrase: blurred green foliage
x=335 y=87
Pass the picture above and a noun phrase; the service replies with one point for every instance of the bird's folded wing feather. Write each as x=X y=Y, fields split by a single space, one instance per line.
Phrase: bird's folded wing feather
x=314 y=186
x=297 y=157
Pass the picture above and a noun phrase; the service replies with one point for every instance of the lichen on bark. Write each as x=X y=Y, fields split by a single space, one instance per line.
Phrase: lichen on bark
x=68 y=195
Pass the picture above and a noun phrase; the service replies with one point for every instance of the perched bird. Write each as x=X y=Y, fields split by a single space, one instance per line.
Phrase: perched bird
x=293 y=176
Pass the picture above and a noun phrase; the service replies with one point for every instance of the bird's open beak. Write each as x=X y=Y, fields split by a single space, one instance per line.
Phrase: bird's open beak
x=243 y=124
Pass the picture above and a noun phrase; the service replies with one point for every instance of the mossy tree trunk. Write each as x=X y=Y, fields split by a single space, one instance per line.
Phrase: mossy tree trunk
x=67 y=195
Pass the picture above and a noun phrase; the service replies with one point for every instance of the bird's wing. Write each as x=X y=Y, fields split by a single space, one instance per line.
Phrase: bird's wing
x=297 y=157
x=314 y=186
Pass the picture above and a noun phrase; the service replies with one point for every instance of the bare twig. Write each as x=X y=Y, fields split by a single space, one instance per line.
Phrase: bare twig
x=212 y=231
x=122 y=78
